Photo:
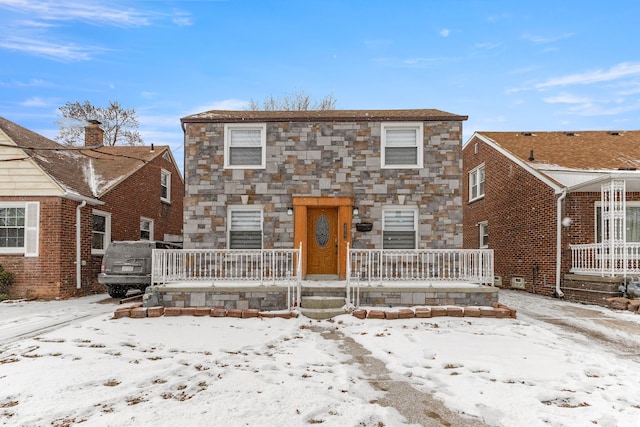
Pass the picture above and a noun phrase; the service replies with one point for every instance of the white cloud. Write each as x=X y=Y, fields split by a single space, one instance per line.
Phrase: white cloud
x=621 y=70
x=35 y=101
x=543 y=40
x=55 y=51
x=487 y=45
x=566 y=98
x=445 y=32
x=182 y=19
x=89 y=12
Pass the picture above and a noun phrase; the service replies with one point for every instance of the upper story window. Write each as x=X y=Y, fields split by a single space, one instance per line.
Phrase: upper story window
x=245 y=227
x=245 y=146
x=399 y=227
x=165 y=186
x=476 y=183
x=146 y=229
x=19 y=228
x=401 y=145
x=101 y=232
x=483 y=227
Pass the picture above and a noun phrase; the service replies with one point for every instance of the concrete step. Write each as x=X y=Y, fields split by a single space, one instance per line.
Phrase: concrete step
x=320 y=302
x=321 y=313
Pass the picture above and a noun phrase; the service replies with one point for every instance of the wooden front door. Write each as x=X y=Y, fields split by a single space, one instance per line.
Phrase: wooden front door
x=322 y=240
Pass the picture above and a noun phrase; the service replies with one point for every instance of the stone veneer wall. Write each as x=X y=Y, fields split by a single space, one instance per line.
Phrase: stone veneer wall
x=306 y=159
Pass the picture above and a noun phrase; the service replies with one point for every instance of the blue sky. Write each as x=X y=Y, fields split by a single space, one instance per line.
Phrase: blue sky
x=508 y=65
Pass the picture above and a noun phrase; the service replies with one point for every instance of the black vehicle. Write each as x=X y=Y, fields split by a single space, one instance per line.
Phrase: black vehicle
x=127 y=265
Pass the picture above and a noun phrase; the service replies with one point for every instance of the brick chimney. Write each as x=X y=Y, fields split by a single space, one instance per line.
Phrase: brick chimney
x=93 y=135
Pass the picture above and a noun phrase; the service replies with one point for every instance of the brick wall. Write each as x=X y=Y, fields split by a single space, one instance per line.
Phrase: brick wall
x=53 y=273
x=323 y=160
x=139 y=196
x=521 y=213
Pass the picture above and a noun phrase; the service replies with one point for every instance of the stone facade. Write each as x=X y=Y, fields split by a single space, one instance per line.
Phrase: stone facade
x=320 y=158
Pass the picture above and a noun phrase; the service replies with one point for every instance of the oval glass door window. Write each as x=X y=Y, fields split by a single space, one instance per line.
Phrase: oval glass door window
x=322 y=231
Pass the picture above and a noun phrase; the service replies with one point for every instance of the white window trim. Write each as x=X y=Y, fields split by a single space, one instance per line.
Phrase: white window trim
x=107 y=232
x=164 y=172
x=228 y=127
x=419 y=129
x=31 y=246
x=597 y=224
x=482 y=226
x=416 y=213
x=151 y=227
x=235 y=208
x=475 y=172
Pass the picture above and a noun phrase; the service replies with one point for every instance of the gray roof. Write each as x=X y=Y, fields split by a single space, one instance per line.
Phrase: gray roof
x=229 y=116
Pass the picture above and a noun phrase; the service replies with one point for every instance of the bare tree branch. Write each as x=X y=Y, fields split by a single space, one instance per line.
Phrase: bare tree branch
x=119 y=124
x=299 y=100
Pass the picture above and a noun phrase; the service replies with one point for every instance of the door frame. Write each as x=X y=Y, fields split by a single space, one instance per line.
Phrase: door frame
x=345 y=217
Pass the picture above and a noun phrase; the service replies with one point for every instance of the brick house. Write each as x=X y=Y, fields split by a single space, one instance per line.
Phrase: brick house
x=61 y=206
x=325 y=179
x=541 y=201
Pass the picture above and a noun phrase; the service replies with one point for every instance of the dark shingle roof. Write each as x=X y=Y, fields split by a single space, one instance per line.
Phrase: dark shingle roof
x=573 y=150
x=89 y=173
x=229 y=116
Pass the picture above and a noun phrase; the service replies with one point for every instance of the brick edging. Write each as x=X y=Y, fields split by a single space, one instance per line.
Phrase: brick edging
x=499 y=311
x=137 y=311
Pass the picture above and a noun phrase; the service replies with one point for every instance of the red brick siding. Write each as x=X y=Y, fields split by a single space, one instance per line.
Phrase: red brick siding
x=139 y=196
x=53 y=273
x=521 y=213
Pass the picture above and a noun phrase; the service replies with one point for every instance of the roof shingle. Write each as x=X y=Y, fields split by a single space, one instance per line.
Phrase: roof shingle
x=589 y=150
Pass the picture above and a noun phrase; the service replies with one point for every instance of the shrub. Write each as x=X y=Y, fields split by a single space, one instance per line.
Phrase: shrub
x=6 y=278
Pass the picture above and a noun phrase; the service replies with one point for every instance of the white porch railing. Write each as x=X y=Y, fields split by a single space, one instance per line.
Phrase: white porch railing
x=263 y=266
x=376 y=266
x=600 y=260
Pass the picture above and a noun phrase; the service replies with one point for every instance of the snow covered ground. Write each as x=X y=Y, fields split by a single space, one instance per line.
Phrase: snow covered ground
x=558 y=364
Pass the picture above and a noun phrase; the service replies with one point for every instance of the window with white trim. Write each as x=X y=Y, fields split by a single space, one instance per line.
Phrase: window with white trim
x=632 y=217
x=399 y=228
x=100 y=232
x=401 y=145
x=19 y=228
x=476 y=183
x=245 y=146
x=146 y=228
x=165 y=186
x=483 y=228
x=245 y=227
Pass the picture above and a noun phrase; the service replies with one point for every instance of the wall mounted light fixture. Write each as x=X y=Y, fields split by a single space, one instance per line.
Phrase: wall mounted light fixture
x=290 y=210
x=355 y=211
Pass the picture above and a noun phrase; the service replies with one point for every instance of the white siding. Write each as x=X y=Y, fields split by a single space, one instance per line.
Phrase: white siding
x=22 y=177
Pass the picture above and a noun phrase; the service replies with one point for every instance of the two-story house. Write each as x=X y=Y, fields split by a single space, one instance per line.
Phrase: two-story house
x=323 y=180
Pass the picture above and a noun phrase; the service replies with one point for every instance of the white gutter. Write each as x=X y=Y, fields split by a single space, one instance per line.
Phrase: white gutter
x=79 y=246
x=559 y=293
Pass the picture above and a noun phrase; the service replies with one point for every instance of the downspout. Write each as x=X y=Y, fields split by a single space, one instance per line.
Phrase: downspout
x=79 y=246
x=559 y=293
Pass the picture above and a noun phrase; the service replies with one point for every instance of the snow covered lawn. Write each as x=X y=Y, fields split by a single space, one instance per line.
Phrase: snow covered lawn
x=236 y=372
